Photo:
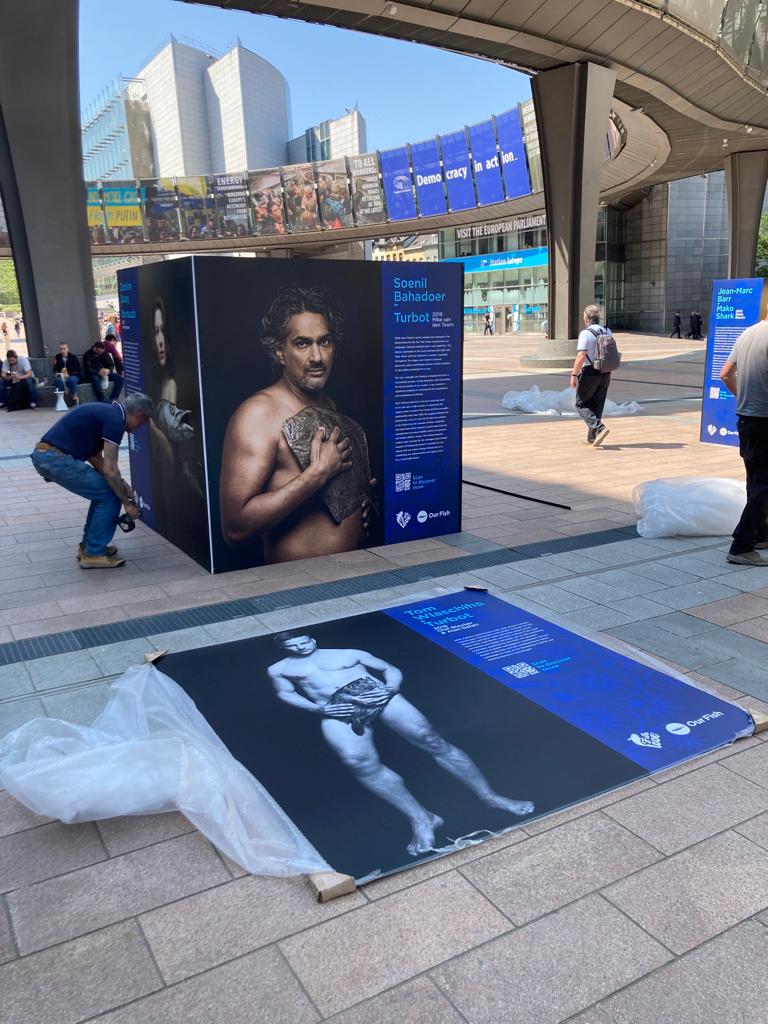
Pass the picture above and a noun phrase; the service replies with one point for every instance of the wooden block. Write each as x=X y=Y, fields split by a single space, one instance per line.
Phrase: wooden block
x=330 y=884
x=152 y=656
x=759 y=718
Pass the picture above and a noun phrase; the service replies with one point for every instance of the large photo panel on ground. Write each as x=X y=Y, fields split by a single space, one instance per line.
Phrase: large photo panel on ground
x=160 y=350
x=393 y=737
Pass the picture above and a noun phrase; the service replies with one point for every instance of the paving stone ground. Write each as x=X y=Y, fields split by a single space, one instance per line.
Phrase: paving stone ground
x=644 y=905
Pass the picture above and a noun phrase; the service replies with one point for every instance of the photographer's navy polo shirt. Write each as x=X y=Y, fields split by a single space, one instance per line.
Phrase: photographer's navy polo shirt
x=82 y=432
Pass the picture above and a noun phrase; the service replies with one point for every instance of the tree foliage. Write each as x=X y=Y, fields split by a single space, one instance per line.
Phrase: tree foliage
x=9 y=289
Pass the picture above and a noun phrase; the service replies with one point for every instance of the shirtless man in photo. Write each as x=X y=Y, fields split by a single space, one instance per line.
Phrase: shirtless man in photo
x=340 y=687
x=264 y=488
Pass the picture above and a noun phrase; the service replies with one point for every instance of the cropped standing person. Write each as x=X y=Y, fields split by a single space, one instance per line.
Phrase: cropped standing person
x=591 y=384
x=80 y=453
x=745 y=374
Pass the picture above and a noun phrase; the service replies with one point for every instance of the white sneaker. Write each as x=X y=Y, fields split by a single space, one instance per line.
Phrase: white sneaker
x=33 y=405
x=600 y=435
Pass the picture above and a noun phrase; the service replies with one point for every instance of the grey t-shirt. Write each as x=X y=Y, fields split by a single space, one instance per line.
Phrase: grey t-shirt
x=750 y=354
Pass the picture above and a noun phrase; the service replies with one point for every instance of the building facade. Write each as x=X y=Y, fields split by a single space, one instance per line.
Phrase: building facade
x=117 y=134
x=189 y=112
x=655 y=259
x=329 y=140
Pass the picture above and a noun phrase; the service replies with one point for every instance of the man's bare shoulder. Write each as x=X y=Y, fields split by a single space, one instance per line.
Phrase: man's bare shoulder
x=263 y=409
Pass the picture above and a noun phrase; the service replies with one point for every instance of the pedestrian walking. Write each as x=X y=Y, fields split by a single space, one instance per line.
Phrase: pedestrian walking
x=676 y=329
x=745 y=374
x=596 y=356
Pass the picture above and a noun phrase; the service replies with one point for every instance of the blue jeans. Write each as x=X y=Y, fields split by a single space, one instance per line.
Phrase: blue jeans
x=116 y=379
x=80 y=478
x=28 y=382
x=69 y=382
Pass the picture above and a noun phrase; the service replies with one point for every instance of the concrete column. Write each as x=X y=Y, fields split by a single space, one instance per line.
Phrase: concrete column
x=41 y=174
x=572 y=106
x=746 y=175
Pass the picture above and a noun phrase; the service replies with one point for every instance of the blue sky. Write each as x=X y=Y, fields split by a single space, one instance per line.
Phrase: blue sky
x=405 y=91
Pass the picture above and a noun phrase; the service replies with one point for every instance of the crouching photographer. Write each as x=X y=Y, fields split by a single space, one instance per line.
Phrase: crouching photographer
x=80 y=453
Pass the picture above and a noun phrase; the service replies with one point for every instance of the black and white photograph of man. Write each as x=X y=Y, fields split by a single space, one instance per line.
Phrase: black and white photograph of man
x=351 y=691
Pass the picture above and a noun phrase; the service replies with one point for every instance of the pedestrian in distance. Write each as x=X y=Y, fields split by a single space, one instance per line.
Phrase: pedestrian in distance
x=488 y=328
x=80 y=453
x=596 y=356
x=745 y=374
x=676 y=329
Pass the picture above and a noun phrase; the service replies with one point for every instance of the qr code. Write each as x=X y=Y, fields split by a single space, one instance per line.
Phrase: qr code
x=521 y=669
x=402 y=481
x=714 y=392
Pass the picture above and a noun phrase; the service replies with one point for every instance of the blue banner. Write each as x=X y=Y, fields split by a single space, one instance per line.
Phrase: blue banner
x=485 y=163
x=428 y=176
x=645 y=715
x=457 y=171
x=502 y=260
x=139 y=440
x=514 y=166
x=735 y=306
x=422 y=338
x=398 y=187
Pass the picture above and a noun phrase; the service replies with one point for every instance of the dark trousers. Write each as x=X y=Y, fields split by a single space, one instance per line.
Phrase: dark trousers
x=753 y=447
x=676 y=332
x=591 y=392
x=98 y=390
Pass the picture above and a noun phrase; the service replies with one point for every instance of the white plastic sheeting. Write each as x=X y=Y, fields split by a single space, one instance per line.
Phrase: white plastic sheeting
x=559 y=403
x=151 y=750
x=689 y=506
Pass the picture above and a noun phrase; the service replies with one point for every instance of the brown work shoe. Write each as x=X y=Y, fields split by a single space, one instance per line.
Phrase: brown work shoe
x=111 y=550
x=100 y=562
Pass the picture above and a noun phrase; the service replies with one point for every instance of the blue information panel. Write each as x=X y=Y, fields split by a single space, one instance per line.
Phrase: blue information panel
x=643 y=714
x=422 y=340
x=514 y=166
x=458 y=171
x=502 y=260
x=485 y=161
x=428 y=176
x=735 y=306
x=138 y=441
x=398 y=187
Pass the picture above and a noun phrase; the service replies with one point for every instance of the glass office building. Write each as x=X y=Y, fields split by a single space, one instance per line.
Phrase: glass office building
x=505 y=268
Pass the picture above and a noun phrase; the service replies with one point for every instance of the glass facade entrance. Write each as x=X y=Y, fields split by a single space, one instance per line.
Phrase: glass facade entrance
x=506 y=275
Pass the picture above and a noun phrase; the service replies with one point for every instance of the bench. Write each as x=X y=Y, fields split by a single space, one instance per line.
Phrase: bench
x=46 y=392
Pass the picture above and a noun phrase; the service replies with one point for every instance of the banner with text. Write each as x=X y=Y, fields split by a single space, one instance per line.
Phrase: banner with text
x=514 y=166
x=230 y=192
x=398 y=187
x=422 y=318
x=367 y=197
x=485 y=161
x=458 y=171
x=428 y=176
x=736 y=305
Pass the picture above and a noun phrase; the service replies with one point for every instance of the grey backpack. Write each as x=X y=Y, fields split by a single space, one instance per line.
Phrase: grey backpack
x=607 y=355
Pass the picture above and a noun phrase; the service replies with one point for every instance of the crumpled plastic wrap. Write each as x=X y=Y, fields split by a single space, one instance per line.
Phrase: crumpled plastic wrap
x=150 y=750
x=559 y=403
x=689 y=506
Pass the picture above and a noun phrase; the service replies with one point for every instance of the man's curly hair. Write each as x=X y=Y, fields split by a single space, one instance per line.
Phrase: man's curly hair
x=288 y=303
